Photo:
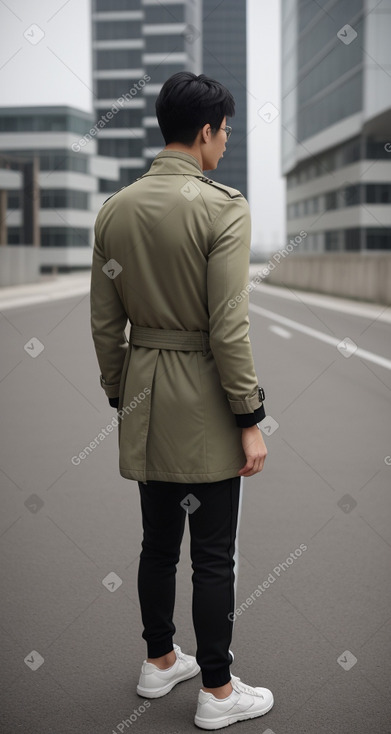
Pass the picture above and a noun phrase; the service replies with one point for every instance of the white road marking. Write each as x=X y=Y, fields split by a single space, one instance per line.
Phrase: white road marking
x=363 y=353
x=280 y=331
x=323 y=300
x=42 y=298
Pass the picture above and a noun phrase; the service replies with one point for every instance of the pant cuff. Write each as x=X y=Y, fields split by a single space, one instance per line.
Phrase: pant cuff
x=216 y=678
x=158 y=649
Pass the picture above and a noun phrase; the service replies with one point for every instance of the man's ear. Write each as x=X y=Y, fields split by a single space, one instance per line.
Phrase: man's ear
x=206 y=132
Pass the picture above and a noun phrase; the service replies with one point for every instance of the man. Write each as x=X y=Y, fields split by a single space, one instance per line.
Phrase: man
x=171 y=256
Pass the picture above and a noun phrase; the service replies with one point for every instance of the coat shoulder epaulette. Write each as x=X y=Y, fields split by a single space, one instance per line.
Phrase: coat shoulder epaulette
x=121 y=189
x=232 y=193
x=115 y=192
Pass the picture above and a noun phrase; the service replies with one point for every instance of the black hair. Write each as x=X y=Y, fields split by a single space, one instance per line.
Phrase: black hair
x=187 y=102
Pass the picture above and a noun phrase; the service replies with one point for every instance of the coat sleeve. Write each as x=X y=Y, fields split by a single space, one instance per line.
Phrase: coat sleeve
x=227 y=290
x=108 y=321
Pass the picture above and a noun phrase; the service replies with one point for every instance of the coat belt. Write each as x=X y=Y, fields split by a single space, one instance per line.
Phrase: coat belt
x=187 y=341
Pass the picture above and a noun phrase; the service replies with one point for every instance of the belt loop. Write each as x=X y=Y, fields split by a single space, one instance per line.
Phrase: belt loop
x=205 y=348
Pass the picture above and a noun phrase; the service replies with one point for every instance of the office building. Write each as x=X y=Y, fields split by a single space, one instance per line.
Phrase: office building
x=137 y=45
x=224 y=58
x=336 y=122
x=62 y=141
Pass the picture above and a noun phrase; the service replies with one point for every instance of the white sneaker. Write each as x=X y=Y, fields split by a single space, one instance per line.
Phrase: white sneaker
x=244 y=702
x=154 y=683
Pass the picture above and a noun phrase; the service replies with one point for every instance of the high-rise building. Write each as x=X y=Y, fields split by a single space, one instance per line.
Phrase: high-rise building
x=336 y=123
x=224 y=59
x=137 y=45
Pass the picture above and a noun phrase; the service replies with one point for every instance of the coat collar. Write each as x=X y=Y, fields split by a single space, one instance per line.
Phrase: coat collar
x=174 y=162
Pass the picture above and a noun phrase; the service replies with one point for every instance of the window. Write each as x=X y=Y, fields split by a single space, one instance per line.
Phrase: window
x=117 y=30
x=44 y=123
x=348 y=196
x=14 y=236
x=352 y=240
x=155 y=44
x=154 y=138
x=378 y=238
x=165 y=14
x=102 y=5
x=332 y=240
x=65 y=237
x=375 y=149
x=121 y=147
x=120 y=58
x=13 y=201
x=56 y=160
x=331 y=200
x=123 y=118
x=378 y=193
x=63 y=199
x=114 y=88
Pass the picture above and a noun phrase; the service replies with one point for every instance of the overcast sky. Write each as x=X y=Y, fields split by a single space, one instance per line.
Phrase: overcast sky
x=57 y=70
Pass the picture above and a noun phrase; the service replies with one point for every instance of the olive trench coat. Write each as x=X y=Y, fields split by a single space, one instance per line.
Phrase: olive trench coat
x=172 y=253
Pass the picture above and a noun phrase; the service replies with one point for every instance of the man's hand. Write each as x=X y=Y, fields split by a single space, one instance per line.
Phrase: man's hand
x=255 y=450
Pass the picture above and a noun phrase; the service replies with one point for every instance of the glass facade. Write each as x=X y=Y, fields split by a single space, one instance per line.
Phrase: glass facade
x=19 y=123
x=354 y=239
x=350 y=194
x=120 y=147
x=55 y=236
x=165 y=43
x=65 y=237
x=329 y=84
x=54 y=199
x=155 y=138
x=165 y=13
x=132 y=117
x=56 y=160
x=114 y=88
x=224 y=58
x=341 y=198
x=116 y=30
x=107 y=5
x=323 y=77
x=327 y=109
x=118 y=58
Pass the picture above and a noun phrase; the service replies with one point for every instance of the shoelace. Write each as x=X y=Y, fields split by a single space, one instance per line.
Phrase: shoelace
x=244 y=687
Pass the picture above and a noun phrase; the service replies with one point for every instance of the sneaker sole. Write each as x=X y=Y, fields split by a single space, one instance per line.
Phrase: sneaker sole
x=159 y=692
x=227 y=720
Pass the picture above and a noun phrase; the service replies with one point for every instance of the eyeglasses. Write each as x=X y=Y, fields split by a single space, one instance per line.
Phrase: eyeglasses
x=228 y=130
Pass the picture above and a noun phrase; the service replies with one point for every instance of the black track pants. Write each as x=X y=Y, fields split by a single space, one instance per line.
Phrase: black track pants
x=213 y=510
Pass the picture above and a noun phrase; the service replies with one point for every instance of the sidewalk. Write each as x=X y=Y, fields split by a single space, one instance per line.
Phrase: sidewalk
x=50 y=288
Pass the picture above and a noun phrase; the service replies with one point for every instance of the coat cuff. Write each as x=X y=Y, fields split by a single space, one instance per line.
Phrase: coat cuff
x=245 y=420
x=247 y=405
x=111 y=389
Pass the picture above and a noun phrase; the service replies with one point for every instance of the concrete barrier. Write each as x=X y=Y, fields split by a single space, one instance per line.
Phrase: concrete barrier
x=19 y=264
x=363 y=276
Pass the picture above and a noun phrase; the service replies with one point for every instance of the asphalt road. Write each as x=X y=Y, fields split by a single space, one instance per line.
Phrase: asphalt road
x=319 y=634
